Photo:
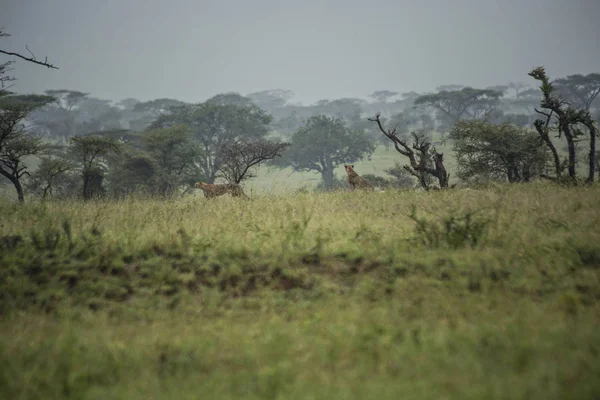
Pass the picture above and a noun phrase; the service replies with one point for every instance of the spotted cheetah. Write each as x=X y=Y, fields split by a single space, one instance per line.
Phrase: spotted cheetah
x=356 y=181
x=214 y=190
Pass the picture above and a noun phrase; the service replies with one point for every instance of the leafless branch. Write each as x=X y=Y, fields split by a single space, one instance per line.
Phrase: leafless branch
x=32 y=59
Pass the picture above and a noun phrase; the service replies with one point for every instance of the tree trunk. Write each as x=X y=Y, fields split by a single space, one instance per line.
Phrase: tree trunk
x=92 y=183
x=328 y=178
x=571 y=148
x=542 y=131
x=440 y=170
x=19 y=188
x=592 y=157
x=526 y=172
x=16 y=183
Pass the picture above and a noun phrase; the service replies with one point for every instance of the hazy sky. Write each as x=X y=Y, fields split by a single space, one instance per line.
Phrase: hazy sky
x=193 y=49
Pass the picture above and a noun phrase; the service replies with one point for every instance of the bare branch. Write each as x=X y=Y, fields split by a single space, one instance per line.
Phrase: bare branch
x=32 y=59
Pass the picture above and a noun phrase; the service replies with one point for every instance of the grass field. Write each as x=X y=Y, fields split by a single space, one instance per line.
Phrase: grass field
x=279 y=181
x=482 y=294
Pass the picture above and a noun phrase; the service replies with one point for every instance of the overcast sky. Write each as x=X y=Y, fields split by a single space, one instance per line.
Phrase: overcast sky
x=193 y=49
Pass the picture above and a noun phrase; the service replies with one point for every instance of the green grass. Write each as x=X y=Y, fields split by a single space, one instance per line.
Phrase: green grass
x=464 y=294
x=279 y=181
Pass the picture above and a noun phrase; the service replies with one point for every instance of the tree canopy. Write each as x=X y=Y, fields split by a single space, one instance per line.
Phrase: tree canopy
x=323 y=144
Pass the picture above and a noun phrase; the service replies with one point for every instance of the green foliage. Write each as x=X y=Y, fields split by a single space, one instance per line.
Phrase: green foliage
x=91 y=153
x=403 y=178
x=174 y=153
x=51 y=178
x=452 y=231
x=15 y=142
x=562 y=117
x=324 y=143
x=240 y=158
x=230 y=99
x=214 y=123
x=501 y=152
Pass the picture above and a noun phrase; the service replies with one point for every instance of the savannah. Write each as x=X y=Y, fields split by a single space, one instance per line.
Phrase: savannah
x=469 y=268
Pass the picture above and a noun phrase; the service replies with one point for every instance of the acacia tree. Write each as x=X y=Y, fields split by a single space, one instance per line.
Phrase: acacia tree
x=43 y=181
x=323 y=144
x=174 y=154
x=92 y=154
x=562 y=117
x=61 y=118
x=16 y=143
x=213 y=124
x=579 y=90
x=424 y=160
x=239 y=157
x=271 y=99
x=382 y=96
x=464 y=103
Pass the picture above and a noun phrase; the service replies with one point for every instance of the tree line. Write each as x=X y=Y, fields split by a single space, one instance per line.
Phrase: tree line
x=89 y=147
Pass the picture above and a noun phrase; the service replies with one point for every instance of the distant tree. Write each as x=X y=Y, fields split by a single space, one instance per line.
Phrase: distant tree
x=323 y=144
x=346 y=109
x=157 y=107
x=497 y=152
x=134 y=171
x=450 y=88
x=562 y=117
x=401 y=177
x=527 y=100
x=410 y=96
x=517 y=87
x=239 y=157
x=128 y=104
x=424 y=160
x=579 y=90
x=407 y=120
x=271 y=99
x=46 y=180
x=289 y=124
x=502 y=89
x=59 y=119
x=466 y=103
x=230 y=99
x=521 y=120
x=174 y=154
x=382 y=96
x=213 y=124
x=16 y=143
x=97 y=115
x=91 y=154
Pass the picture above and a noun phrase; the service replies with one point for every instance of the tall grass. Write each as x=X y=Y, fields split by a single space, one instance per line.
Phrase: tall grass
x=402 y=294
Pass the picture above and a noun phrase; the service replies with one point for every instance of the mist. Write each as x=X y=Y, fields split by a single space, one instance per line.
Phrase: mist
x=192 y=50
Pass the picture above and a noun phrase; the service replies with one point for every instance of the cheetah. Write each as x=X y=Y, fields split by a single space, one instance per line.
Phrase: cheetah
x=356 y=181
x=214 y=190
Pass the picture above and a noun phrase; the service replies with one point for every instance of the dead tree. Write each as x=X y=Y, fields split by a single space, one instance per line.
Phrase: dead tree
x=424 y=160
x=567 y=121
